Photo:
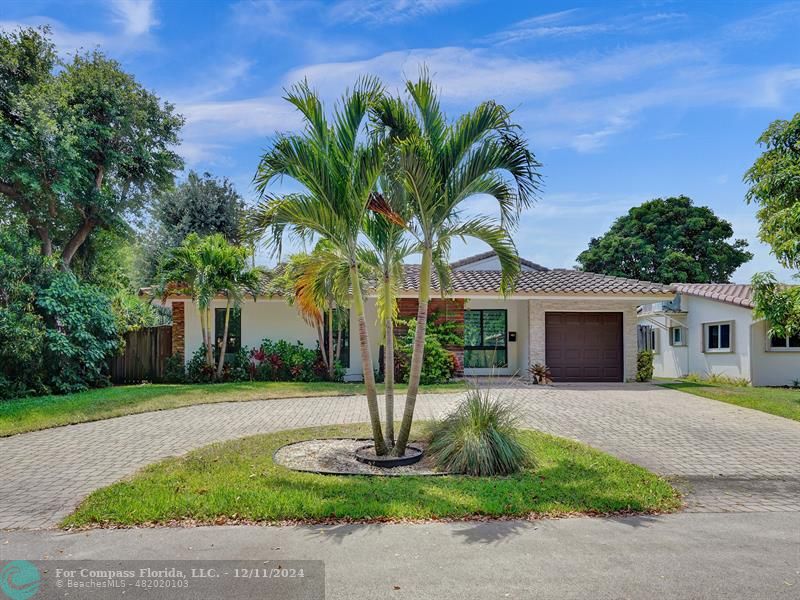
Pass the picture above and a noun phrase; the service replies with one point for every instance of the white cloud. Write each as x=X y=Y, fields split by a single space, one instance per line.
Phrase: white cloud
x=135 y=16
x=387 y=11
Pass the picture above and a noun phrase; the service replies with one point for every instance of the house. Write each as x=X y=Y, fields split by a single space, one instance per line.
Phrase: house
x=710 y=329
x=582 y=325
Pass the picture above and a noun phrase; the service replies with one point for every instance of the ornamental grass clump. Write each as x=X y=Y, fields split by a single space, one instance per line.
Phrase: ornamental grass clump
x=479 y=438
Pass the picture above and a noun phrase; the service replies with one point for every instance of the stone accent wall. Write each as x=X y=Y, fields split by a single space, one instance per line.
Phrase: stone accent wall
x=178 y=328
x=536 y=322
x=447 y=309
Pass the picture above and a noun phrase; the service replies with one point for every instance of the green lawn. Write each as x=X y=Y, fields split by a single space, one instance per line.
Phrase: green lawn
x=237 y=481
x=31 y=414
x=783 y=402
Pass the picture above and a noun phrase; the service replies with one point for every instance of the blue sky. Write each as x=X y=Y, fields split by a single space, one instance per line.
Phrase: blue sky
x=622 y=102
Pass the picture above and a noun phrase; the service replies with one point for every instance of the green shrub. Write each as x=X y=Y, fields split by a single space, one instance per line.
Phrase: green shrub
x=438 y=364
x=235 y=368
x=174 y=370
x=283 y=361
x=479 y=438
x=644 y=365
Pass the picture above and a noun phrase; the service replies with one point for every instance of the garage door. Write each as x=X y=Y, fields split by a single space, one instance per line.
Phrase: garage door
x=584 y=346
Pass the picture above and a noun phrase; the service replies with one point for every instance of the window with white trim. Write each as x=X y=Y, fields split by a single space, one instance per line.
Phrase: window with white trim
x=784 y=344
x=718 y=337
x=677 y=336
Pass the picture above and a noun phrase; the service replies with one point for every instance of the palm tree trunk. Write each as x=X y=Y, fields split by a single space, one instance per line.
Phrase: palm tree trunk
x=388 y=363
x=330 y=341
x=203 y=325
x=224 y=346
x=366 y=363
x=416 y=357
x=209 y=341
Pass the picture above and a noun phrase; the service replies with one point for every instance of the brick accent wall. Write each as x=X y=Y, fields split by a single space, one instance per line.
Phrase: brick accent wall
x=536 y=323
x=447 y=309
x=178 y=328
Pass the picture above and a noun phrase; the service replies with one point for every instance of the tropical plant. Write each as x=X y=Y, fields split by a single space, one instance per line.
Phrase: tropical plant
x=385 y=256
x=441 y=165
x=541 y=374
x=479 y=438
x=337 y=169
x=439 y=365
x=317 y=285
x=202 y=268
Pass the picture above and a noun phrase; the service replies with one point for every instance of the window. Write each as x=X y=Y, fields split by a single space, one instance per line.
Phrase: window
x=648 y=338
x=718 y=337
x=340 y=318
x=485 y=335
x=784 y=344
x=677 y=336
x=234 y=330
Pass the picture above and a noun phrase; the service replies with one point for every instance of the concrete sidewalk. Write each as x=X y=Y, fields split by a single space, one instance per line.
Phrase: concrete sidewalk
x=748 y=556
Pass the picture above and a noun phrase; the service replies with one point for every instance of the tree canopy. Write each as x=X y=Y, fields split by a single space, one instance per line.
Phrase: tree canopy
x=82 y=144
x=202 y=204
x=667 y=240
x=775 y=187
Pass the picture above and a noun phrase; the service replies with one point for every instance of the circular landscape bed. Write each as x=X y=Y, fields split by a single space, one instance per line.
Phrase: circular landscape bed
x=240 y=482
x=350 y=456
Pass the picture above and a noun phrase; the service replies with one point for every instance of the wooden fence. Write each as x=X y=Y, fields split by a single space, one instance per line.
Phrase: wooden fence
x=144 y=355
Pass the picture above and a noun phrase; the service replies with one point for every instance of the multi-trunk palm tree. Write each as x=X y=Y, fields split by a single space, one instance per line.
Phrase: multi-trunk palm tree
x=443 y=164
x=337 y=168
x=204 y=268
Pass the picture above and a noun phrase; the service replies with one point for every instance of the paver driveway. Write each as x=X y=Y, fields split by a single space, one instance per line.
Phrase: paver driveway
x=728 y=458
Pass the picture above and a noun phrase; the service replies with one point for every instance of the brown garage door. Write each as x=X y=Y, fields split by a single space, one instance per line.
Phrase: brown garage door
x=584 y=346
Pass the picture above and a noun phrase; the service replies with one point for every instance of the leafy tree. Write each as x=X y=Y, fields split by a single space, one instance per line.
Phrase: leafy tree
x=667 y=240
x=775 y=187
x=201 y=204
x=443 y=164
x=337 y=169
x=82 y=144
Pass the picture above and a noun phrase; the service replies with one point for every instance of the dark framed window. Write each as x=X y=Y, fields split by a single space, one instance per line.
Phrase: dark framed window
x=340 y=317
x=234 y=330
x=785 y=343
x=485 y=338
x=718 y=337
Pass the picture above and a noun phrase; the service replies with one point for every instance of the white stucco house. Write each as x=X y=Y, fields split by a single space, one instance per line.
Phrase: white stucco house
x=582 y=325
x=710 y=328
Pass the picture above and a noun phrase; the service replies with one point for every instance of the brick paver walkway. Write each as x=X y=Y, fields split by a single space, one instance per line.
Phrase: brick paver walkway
x=727 y=458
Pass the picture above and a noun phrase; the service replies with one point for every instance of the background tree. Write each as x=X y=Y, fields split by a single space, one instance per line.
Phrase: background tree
x=774 y=181
x=82 y=144
x=667 y=240
x=201 y=204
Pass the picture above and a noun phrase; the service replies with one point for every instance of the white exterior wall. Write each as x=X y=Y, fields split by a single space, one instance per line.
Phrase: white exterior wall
x=732 y=364
x=771 y=367
x=538 y=308
x=517 y=320
x=668 y=361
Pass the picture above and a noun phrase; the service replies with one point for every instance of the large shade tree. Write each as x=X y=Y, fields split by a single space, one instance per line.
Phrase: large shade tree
x=443 y=164
x=667 y=240
x=337 y=168
x=774 y=181
x=83 y=145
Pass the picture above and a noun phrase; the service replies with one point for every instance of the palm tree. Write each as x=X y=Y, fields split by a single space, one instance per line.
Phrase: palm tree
x=317 y=284
x=337 y=169
x=442 y=164
x=389 y=248
x=233 y=279
x=184 y=269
